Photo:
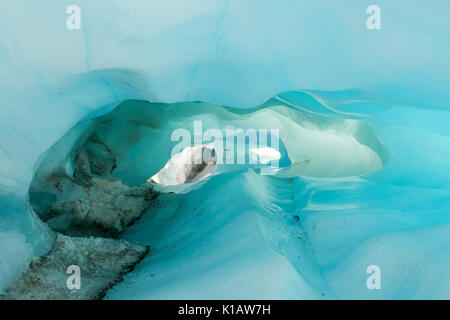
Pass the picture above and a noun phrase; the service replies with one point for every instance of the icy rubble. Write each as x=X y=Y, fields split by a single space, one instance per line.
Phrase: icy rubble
x=106 y=207
x=102 y=263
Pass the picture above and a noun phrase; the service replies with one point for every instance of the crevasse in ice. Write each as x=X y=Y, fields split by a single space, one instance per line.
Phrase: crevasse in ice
x=367 y=109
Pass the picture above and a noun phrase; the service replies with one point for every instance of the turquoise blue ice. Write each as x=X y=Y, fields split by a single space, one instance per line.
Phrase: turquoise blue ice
x=238 y=235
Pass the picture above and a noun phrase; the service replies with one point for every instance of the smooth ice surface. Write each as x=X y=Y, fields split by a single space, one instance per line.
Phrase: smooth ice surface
x=239 y=54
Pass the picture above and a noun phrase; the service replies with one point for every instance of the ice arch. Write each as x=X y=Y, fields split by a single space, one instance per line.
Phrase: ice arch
x=122 y=149
x=202 y=54
x=93 y=181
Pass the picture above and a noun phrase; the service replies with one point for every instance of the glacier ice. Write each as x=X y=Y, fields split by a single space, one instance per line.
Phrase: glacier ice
x=364 y=125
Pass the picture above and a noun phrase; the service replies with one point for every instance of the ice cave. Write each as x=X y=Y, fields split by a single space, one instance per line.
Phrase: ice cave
x=224 y=149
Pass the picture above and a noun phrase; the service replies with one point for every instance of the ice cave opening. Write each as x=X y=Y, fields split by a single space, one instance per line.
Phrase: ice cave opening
x=119 y=167
x=102 y=175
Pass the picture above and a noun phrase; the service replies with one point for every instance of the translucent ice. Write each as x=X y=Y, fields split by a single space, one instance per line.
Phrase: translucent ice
x=365 y=124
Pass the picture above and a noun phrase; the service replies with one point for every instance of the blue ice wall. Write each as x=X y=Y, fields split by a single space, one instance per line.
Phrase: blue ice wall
x=240 y=53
